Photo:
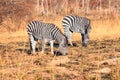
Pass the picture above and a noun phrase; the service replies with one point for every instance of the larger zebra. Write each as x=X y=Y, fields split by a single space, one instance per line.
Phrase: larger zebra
x=77 y=24
x=46 y=32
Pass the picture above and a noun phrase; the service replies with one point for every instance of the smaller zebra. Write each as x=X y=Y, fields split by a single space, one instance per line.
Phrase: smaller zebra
x=77 y=24
x=46 y=32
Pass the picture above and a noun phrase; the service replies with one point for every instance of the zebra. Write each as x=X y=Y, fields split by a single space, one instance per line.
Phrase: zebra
x=76 y=24
x=46 y=32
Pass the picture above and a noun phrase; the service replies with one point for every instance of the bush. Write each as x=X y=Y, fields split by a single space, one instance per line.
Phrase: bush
x=16 y=11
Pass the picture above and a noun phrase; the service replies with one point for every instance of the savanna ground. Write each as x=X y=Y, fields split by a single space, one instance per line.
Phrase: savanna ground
x=100 y=60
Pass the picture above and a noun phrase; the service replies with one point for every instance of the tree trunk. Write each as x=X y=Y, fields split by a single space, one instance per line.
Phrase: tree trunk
x=83 y=6
x=42 y=7
x=66 y=10
x=117 y=9
x=109 y=7
x=87 y=8
x=50 y=6
x=37 y=8
x=77 y=7
x=46 y=7
x=100 y=6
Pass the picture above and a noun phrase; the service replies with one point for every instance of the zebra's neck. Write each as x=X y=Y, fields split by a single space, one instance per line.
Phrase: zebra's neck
x=59 y=37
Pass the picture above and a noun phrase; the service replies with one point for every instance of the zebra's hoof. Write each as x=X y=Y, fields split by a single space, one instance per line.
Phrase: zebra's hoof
x=42 y=52
x=34 y=53
x=84 y=45
x=57 y=53
x=71 y=44
x=52 y=53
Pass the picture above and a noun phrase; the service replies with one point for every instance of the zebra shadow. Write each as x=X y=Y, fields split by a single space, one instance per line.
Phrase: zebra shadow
x=58 y=53
x=56 y=45
x=22 y=50
x=74 y=44
x=27 y=51
x=38 y=48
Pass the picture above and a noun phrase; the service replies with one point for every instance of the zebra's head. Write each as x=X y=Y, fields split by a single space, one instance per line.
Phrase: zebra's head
x=63 y=45
x=85 y=40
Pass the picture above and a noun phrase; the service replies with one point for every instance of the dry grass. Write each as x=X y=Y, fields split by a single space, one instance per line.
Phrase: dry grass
x=101 y=29
x=80 y=63
x=105 y=29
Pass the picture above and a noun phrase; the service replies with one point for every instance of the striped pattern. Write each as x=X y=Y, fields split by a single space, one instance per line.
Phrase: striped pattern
x=46 y=32
x=77 y=24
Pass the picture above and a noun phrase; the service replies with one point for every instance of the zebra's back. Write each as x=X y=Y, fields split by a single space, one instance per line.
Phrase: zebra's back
x=75 y=23
x=44 y=30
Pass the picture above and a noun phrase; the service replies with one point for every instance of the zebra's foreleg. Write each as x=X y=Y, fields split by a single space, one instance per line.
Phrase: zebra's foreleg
x=32 y=44
x=51 y=44
x=68 y=34
x=83 y=40
x=70 y=38
x=43 y=45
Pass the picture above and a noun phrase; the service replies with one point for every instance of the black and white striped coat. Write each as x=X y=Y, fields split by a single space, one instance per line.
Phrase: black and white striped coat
x=77 y=24
x=46 y=32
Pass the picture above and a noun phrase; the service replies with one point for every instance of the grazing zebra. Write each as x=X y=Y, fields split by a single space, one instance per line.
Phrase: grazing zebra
x=46 y=32
x=77 y=24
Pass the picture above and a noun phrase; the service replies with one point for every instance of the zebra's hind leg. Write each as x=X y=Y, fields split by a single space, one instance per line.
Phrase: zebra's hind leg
x=33 y=42
x=70 y=41
x=68 y=34
x=51 y=44
x=83 y=40
x=43 y=45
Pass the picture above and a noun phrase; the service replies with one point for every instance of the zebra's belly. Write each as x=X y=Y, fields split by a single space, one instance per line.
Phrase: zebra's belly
x=48 y=38
x=43 y=37
x=74 y=30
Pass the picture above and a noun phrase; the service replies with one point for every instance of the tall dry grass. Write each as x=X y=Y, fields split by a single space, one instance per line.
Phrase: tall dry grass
x=105 y=29
x=101 y=29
